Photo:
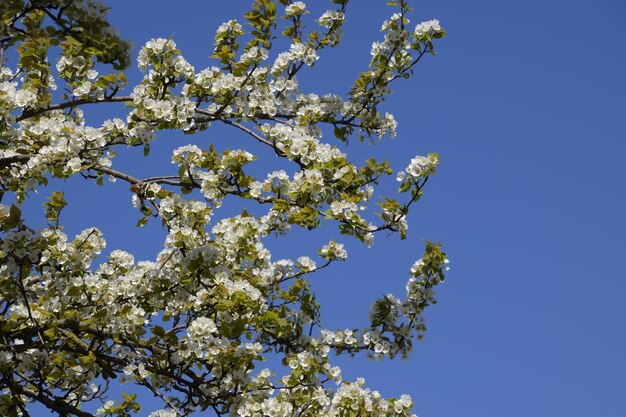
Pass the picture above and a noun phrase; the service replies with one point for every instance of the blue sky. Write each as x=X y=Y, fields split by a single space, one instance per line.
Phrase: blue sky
x=525 y=104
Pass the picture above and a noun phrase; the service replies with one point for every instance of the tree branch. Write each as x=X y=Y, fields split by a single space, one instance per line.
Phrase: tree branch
x=55 y=404
x=72 y=103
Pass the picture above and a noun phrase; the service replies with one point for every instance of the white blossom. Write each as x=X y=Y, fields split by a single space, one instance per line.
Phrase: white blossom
x=428 y=27
x=297 y=8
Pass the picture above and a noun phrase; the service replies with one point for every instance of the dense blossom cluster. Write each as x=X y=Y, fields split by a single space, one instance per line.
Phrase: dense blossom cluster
x=296 y=8
x=420 y=167
x=193 y=324
x=430 y=27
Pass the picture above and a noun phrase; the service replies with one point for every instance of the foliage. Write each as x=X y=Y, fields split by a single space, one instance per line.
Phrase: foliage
x=194 y=325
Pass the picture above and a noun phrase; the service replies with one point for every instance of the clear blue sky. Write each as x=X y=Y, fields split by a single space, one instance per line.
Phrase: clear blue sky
x=525 y=104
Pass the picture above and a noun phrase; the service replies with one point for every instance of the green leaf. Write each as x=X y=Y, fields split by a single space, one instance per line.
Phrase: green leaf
x=85 y=360
x=14 y=218
x=56 y=202
x=158 y=331
x=129 y=397
x=142 y=222
x=50 y=333
x=404 y=187
x=73 y=292
x=15 y=212
x=224 y=305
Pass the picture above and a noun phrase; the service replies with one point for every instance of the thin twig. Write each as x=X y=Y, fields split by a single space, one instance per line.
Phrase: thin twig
x=161 y=396
x=249 y=132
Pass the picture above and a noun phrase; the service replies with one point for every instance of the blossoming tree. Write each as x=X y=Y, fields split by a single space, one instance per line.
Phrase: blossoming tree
x=193 y=325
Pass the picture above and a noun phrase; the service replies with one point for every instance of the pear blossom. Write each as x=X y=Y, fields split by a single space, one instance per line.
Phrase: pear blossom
x=296 y=8
x=428 y=27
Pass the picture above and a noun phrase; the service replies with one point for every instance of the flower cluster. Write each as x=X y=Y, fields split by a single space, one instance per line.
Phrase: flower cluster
x=430 y=27
x=231 y=28
x=420 y=167
x=333 y=251
x=297 y=52
x=11 y=97
x=296 y=8
x=153 y=50
x=331 y=18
